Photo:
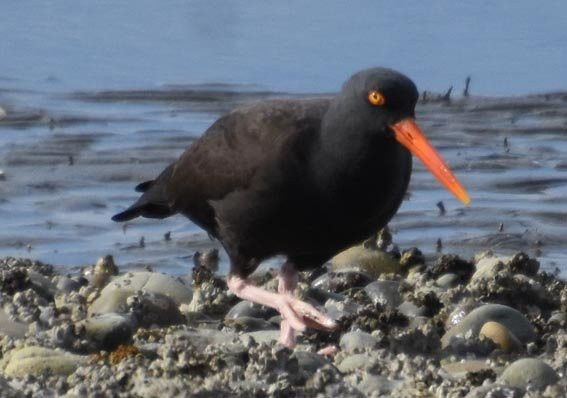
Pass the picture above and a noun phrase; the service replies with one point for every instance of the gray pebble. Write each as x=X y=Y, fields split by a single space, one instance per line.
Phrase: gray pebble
x=310 y=361
x=42 y=285
x=110 y=330
x=338 y=310
x=411 y=310
x=114 y=295
x=248 y=309
x=321 y=295
x=357 y=341
x=64 y=284
x=385 y=293
x=447 y=281
x=372 y=261
x=512 y=319
x=529 y=372
x=354 y=362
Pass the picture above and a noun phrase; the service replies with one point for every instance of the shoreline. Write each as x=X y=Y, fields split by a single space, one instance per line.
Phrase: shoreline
x=407 y=327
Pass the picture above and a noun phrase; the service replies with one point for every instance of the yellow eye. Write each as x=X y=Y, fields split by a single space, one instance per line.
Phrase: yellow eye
x=376 y=98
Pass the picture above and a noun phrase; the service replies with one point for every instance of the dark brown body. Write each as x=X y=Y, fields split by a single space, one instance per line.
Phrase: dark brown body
x=270 y=179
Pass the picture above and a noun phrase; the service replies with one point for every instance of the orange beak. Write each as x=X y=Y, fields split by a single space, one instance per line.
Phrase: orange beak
x=410 y=135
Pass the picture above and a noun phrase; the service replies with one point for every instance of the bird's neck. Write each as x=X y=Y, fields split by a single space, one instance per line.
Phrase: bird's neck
x=348 y=142
x=354 y=155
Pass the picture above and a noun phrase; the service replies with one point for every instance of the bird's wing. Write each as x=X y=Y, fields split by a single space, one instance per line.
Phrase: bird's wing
x=230 y=153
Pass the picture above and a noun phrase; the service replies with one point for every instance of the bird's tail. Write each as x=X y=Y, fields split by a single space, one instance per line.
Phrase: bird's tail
x=152 y=204
x=142 y=208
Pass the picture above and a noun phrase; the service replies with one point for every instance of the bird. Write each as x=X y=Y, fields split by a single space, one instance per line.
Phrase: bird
x=303 y=178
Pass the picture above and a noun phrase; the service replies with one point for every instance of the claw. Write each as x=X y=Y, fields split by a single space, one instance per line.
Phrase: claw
x=296 y=314
x=300 y=315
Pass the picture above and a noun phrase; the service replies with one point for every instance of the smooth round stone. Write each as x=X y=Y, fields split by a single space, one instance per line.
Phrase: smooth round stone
x=42 y=285
x=341 y=280
x=249 y=309
x=512 y=319
x=337 y=310
x=64 y=284
x=355 y=362
x=321 y=296
x=459 y=312
x=461 y=368
x=111 y=301
x=109 y=330
x=11 y=328
x=385 y=293
x=447 y=281
x=34 y=360
x=498 y=333
x=374 y=262
x=357 y=341
x=529 y=372
x=411 y=310
x=113 y=297
x=310 y=361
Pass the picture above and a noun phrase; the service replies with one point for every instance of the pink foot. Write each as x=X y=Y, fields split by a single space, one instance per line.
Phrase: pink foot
x=296 y=314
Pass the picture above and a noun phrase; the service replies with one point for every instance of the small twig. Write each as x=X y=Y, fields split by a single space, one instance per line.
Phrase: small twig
x=467 y=83
x=447 y=96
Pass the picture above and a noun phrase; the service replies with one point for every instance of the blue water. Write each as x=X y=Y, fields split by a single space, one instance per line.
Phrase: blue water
x=304 y=46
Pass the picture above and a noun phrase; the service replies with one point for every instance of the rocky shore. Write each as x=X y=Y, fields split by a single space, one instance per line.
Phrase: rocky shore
x=491 y=326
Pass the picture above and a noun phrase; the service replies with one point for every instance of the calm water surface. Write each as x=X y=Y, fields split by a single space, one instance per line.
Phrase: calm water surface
x=100 y=96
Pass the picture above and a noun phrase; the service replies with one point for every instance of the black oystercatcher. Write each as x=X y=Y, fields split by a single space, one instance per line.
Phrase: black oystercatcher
x=301 y=178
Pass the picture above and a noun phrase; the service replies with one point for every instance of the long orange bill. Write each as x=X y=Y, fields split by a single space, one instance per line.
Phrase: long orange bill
x=410 y=135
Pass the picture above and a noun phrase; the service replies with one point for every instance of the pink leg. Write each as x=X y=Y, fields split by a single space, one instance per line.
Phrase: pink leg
x=296 y=314
x=286 y=285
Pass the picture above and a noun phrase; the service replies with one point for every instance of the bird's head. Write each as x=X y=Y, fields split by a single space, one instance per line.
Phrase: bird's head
x=385 y=100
